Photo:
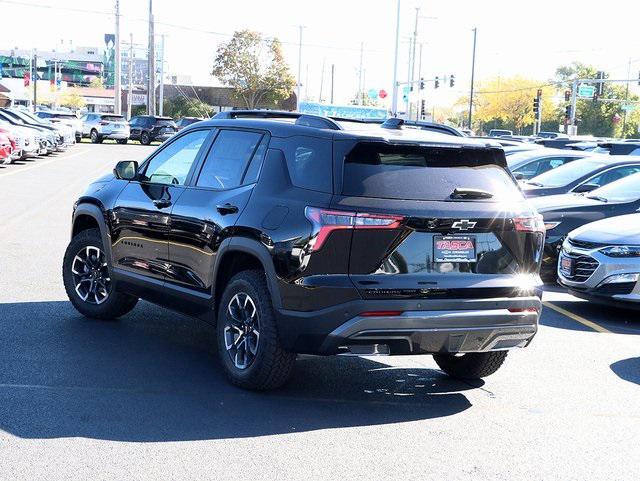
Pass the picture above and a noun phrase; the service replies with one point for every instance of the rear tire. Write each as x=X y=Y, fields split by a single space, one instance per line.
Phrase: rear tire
x=95 y=137
x=108 y=303
x=263 y=364
x=145 y=139
x=473 y=365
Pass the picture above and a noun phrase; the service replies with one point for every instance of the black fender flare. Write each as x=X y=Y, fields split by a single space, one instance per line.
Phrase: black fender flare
x=95 y=212
x=258 y=250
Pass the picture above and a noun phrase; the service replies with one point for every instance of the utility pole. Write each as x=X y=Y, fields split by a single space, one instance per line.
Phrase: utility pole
x=333 y=72
x=130 y=94
x=473 y=73
x=161 y=102
x=410 y=85
x=34 y=79
x=415 y=40
x=321 y=80
x=419 y=77
x=117 y=105
x=574 y=102
x=626 y=98
x=299 y=69
x=306 y=82
x=360 y=86
x=151 y=61
x=394 y=95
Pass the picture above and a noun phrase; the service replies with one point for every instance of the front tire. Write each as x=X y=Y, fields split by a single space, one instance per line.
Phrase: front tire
x=248 y=344
x=87 y=279
x=473 y=365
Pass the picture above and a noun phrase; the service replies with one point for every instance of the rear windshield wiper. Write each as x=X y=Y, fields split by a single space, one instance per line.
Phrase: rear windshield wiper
x=597 y=197
x=465 y=193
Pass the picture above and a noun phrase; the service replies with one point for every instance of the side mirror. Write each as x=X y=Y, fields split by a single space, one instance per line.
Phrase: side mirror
x=126 y=170
x=519 y=176
x=585 y=188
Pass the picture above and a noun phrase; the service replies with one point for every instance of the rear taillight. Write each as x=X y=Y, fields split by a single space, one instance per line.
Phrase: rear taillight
x=534 y=223
x=326 y=221
x=381 y=313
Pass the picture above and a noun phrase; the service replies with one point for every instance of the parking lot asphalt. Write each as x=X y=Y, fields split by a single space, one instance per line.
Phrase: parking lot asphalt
x=143 y=397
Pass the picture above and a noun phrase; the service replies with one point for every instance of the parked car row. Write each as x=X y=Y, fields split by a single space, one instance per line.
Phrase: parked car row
x=24 y=134
x=143 y=128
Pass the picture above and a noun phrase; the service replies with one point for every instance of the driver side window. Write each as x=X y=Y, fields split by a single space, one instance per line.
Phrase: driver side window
x=172 y=164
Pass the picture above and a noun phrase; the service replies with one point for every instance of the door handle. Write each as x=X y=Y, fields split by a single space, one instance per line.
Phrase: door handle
x=161 y=203
x=227 y=209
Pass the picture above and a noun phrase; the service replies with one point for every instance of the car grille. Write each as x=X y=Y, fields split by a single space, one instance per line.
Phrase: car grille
x=617 y=288
x=584 y=267
x=585 y=245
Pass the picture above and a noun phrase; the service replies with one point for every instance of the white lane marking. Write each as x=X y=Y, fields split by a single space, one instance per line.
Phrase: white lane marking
x=40 y=164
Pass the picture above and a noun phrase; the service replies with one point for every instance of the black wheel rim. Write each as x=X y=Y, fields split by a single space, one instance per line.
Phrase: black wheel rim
x=242 y=330
x=91 y=275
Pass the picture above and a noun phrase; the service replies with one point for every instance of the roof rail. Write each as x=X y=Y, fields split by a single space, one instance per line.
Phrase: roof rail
x=305 y=120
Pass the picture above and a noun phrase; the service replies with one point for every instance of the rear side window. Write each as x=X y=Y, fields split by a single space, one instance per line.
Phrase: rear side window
x=373 y=169
x=228 y=158
x=309 y=161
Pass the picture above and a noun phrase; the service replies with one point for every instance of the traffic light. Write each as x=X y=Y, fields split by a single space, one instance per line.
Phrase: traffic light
x=600 y=86
x=423 y=109
x=536 y=105
x=567 y=95
x=436 y=83
x=452 y=80
x=567 y=112
x=595 y=97
x=421 y=83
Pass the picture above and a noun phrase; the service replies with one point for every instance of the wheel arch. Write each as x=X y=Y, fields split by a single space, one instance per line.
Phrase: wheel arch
x=240 y=254
x=89 y=215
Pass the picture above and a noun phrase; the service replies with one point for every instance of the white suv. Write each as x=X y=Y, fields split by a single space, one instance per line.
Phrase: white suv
x=100 y=126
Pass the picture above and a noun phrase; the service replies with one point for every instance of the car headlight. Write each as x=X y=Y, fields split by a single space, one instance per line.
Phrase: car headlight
x=551 y=225
x=621 y=251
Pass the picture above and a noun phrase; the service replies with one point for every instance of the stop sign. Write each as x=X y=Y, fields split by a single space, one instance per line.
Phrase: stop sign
x=382 y=94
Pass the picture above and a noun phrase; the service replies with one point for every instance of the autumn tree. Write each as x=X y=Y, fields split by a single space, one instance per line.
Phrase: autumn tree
x=508 y=103
x=71 y=99
x=255 y=68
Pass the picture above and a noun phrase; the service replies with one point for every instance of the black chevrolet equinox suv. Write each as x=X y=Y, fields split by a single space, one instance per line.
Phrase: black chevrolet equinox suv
x=294 y=233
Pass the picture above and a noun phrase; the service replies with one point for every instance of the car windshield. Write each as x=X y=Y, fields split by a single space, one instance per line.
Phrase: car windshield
x=165 y=122
x=64 y=116
x=623 y=190
x=566 y=174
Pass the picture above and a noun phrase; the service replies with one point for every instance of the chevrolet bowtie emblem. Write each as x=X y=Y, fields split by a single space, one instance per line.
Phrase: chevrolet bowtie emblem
x=463 y=224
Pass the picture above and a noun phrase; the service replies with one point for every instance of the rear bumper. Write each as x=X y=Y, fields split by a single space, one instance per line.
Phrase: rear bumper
x=423 y=327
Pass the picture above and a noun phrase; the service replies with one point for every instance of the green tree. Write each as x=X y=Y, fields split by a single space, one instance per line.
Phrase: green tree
x=71 y=99
x=179 y=107
x=595 y=118
x=255 y=68
x=97 y=83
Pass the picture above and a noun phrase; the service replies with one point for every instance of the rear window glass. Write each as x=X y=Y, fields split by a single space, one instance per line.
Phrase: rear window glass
x=165 y=122
x=309 y=161
x=567 y=174
x=112 y=118
x=422 y=173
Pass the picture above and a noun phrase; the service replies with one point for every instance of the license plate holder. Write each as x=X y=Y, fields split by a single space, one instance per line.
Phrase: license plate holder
x=454 y=248
x=567 y=266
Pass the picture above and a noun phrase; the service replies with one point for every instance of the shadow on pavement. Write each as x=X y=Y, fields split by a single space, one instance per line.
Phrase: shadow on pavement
x=154 y=376
x=628 y=369
x=620 y=321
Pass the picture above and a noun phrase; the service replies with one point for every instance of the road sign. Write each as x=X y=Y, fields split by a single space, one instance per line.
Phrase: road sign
x=372 y=93
x=586 y=91
x=629 y=107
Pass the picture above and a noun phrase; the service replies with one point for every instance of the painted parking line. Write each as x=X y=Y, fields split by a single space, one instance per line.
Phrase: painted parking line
x=576 y=317
x=41 y=163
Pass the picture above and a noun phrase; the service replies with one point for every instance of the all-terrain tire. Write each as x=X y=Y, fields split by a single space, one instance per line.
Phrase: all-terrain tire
x=116 y=304
x=473 y=365
x=272 y=365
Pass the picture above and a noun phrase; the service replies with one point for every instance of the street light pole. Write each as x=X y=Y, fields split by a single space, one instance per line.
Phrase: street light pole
x=473 y=73
x=151 y=60
x=130 y=96
x=117 y=105
x=299 y=70
x=394 y=95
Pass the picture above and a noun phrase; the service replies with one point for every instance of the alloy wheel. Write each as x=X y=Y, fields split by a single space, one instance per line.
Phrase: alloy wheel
x=91 y=275
x=242 y=330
